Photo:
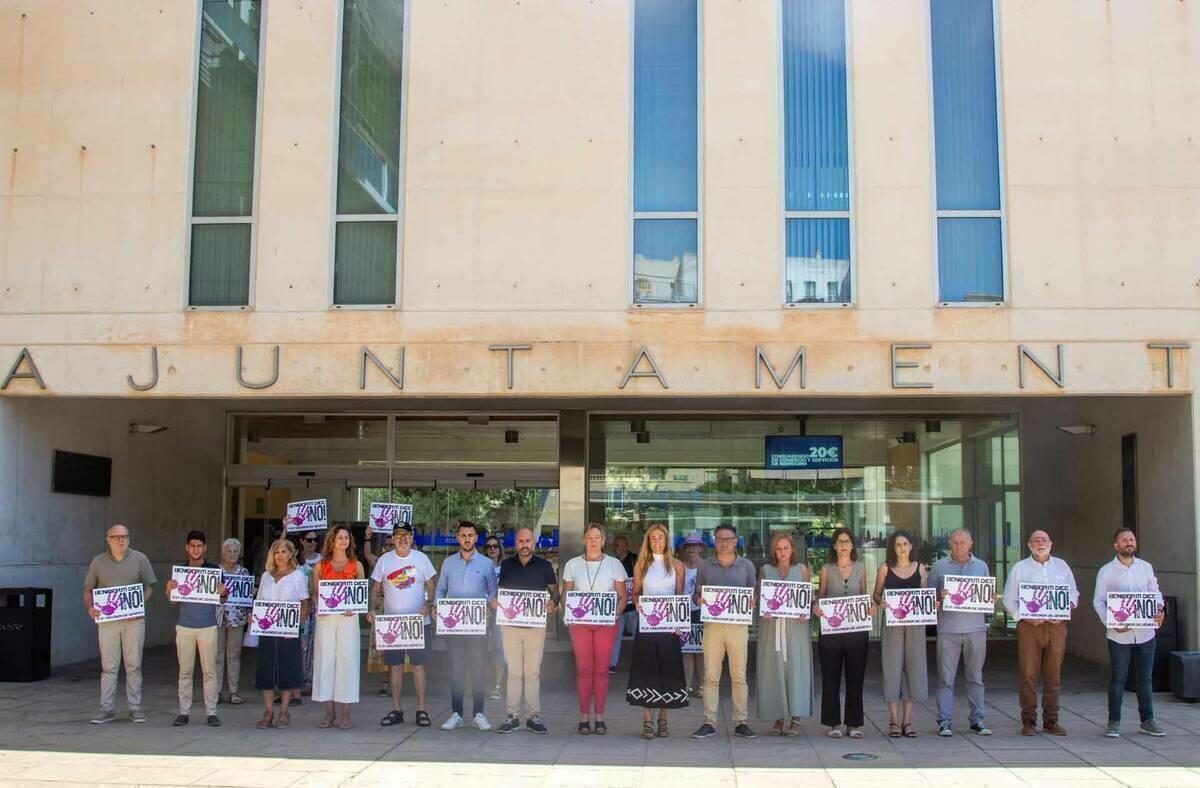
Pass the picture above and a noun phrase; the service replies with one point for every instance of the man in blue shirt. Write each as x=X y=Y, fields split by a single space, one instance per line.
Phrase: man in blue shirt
x=195 y=631
x=467 y=575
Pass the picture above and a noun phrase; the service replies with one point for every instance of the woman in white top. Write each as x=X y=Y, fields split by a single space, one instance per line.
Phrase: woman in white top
x=656 y=671
x=280 y=663
x=593 y=571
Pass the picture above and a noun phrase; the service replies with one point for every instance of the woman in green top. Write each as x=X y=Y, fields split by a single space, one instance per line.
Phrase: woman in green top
x=785 y=677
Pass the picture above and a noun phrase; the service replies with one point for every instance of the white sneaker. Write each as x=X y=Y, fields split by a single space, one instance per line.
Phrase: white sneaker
x=454 y=722
x=481 y=722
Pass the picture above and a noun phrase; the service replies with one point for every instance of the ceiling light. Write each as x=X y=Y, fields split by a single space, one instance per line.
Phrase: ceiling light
x=1078 y=429
x=146 y=429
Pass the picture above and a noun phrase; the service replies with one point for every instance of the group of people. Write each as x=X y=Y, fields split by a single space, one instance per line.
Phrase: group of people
x=661 y=677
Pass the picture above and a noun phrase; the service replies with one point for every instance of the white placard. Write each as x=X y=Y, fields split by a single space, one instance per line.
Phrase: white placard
x=305 y=516
x=910 y=607
x=118 y=603
x=386 y=516
x=462 y=616
x=691 y=639
x=967 y=594
x=785 y=598
x=845 y=614
x=239 y=590
x=275 y=619
x=1132 y=609
x=515 y=608
x=664 y=613
x=1043 y=602
x=197 y=584
x=727 y=605
x=335 y=597
x=399 y=632
x=590 y=607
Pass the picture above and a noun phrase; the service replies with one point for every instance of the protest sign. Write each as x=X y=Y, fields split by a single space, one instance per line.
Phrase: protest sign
x=239 y=590
x=118 y=603
x=785 y=598
x=727 y=605
x=691 y=640
x=462 y=616
x=521 y=608
x=845 y=614
x=197 y=584
x=1132 y=609
x=275 y=619
x=1043 y=602
x=590 y=607
x=386 y=516
x=341 y=596
x=664 y=613
x=966 y=594
x=399 y=633
x=306 y=516
x=910 y=607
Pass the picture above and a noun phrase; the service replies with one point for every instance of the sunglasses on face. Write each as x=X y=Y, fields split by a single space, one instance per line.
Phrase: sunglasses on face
x=311 y=539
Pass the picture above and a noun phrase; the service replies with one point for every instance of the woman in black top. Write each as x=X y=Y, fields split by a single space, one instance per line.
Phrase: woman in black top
x=904 y=670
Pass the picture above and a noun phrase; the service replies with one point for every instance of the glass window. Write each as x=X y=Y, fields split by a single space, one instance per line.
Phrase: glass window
x=224 y=155
x=967 y=152
x=368 y=173
x=665 y=152
x=816 y=152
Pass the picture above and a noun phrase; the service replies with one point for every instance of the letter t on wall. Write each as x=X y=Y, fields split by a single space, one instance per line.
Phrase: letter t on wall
x=509 y=349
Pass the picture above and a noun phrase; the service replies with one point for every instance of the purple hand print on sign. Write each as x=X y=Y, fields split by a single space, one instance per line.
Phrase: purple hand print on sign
x=452 y=620
x=392 y=632
x=1126 y=610
x=336 y=598
x=776 y=600
x=519 y=605
x=840 y=610
x=656 y=616
x=1035 y=603
x=586 y=605
x=905 y=606
x=958 y=595
x=721 y=602
x=267 y=621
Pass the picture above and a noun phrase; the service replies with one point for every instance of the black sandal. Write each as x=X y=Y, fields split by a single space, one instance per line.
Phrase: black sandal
x=393 y=718
x=601 y=728
x=423 y=720
x=585 y=728
x=907 y=730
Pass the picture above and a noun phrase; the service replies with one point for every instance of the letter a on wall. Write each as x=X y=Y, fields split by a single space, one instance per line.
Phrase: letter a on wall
x=653 y=372
x=32 y=373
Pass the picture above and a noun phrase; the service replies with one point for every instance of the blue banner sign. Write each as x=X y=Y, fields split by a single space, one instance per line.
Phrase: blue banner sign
x=803 y=452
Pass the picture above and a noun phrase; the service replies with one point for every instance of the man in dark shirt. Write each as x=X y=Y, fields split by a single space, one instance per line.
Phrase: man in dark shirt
x=195 y=631
x=627 y=621
x=523 y=645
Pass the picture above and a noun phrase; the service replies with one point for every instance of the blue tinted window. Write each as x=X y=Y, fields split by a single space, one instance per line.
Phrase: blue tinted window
x=816 y=147
x=817 y=270
x=970 y=263
x=665 y=261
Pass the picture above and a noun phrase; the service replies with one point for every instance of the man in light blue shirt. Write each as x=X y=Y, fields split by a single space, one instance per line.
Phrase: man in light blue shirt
x=960 y=634
x=467 y=575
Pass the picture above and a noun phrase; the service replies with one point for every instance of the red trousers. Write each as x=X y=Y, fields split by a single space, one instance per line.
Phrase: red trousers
x=592 y=644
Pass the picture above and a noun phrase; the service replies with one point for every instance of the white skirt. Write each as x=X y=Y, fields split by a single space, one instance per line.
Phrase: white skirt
x=336 y=658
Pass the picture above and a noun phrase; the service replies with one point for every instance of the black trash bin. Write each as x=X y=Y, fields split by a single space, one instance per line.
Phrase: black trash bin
x=25 y=633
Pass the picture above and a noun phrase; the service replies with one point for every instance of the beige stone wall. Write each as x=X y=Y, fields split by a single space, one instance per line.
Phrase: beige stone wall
x=517 y=201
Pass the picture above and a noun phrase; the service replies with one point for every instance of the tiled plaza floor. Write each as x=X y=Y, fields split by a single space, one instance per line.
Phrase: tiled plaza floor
x=45 y=739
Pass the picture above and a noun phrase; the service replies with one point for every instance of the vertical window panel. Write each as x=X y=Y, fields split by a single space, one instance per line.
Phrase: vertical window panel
x=220 y=272
x=665 y=261
x=365 y=263
x=970 y=263
x=665 y=111
x=818 y=261
x=816 y=137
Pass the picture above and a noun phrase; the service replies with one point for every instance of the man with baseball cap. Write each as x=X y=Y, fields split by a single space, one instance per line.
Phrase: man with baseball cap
x=406 y=577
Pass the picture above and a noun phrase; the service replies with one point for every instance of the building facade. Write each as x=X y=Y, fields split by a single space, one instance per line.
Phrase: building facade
x=543 y=262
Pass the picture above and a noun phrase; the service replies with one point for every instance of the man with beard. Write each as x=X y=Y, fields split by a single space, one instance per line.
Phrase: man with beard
x=523 y=646
x=467 y=575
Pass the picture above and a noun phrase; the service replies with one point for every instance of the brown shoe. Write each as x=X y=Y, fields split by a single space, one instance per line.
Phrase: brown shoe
x=1054 y=729
x=1029 y=728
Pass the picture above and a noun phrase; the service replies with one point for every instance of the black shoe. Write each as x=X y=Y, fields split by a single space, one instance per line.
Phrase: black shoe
x=534 y=724
x=213 y=722
x=182 y=719
x=704 y=731
x=744 y=731
x=509 y=725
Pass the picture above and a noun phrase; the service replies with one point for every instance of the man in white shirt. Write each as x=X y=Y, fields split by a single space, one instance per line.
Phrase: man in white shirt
x=406 y=579
x=1127 y=572
x=1041 y=644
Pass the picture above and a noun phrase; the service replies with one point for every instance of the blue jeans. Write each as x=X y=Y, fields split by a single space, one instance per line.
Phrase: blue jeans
x=1119 y=657
x=626 y=622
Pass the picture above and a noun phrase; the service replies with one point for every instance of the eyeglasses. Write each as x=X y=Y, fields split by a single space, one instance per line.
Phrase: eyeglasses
x=844 y=541
x=312 y=539
x=726 y=539
x=120 y=537
x=492 y=547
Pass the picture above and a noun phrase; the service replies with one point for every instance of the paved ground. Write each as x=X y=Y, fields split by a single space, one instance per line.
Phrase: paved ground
x=45 y=739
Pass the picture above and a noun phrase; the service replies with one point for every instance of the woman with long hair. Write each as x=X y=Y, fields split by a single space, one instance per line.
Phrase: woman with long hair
x=904 y=670
x=336 y=643
x=785 y=677
x=592 y=643
x=656 y=679
x=280 y=662
x=842 y=576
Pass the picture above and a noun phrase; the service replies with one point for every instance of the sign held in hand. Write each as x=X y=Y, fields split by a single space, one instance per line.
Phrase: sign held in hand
x=590 y=607
x=118 y=603
x=1043 y=602
x=910 y=607
x=275 y=619
x=727 y=605
x=785 y=598
x=845 y=614
x=968 y=594
x=664 y=613
x=1132 y=609
x=400 y=632
x=462 y=616
x=305 y=516
x=197 y=584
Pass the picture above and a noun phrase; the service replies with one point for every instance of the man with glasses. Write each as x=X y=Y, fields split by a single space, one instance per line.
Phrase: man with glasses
x=725 y=568
x=119 y=640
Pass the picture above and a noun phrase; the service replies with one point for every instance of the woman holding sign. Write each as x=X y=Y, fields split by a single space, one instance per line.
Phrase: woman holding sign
x=280 y=663
x=841 y=577
x=593 y=572
x=656 y=678
x=231 y=624
x=336 y=643
x=904 y=659
x=785 y=677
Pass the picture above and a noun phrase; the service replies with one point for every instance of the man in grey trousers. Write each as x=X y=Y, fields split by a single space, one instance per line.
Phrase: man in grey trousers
x=960 y=634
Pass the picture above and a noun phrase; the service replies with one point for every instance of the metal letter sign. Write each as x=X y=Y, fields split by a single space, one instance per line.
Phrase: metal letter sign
x=803 y=452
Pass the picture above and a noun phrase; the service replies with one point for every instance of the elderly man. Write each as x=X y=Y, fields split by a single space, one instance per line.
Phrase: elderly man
x=523 y=646
x=119 y=566
x=1041 y=644
x=960 y=635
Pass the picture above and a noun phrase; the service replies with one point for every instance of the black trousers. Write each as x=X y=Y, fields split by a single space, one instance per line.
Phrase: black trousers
x=846 y=652
x=468 y=658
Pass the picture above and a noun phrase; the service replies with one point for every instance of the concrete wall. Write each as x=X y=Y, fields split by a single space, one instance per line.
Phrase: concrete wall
x=163 y=485
x=1071 y=488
